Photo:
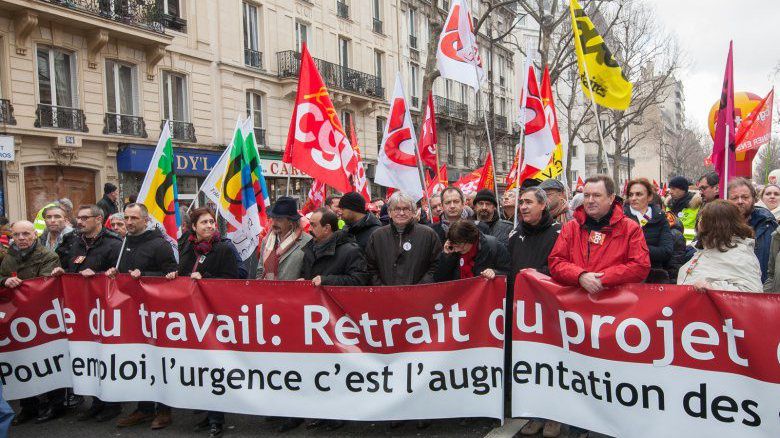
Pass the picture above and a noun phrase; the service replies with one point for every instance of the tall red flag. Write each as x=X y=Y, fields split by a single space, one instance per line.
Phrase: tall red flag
x=486 y=179
x=317 y=194
x=428 y=137
x=753 y=132
x=725 y=136
x=436 y=185
x=316 y=141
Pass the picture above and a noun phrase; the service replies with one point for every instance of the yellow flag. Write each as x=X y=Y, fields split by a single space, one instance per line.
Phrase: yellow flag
x=610 y=87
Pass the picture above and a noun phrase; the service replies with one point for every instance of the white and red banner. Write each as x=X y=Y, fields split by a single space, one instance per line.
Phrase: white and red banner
x=646 y=360
x=458 y=56
x=260 y=347
x=397 y=161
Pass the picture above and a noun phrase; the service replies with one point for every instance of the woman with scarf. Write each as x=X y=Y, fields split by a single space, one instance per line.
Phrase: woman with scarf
x=205 y=254
x=641 y=209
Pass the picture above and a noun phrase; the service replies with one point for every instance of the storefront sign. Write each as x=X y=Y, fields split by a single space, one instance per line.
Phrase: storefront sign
x=278 y=169
x=188 y=162
x=7 y=152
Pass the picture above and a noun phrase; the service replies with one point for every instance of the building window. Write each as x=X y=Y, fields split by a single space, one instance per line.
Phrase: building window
x=573 y=150
x=414 y=73
x=253 y=57
x=172 y=15
x=121 y=90
x=301 y=35
x=254 y=111
x=380 y=132
x=57 y=77
x=343 y=52
x=412 y=28
x=502 y=106
x=377 y=15
x=347 y=121
x=342 y=9
x=463 y=94
x=448 y=88
x=175 y=97
x=450 y=150
x=379 y=66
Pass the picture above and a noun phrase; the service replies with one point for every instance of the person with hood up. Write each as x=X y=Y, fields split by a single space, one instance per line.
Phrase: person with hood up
x=725 y=259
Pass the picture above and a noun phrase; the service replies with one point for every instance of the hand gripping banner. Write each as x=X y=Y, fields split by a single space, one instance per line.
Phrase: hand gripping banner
x=645 y=360
x=260 y=347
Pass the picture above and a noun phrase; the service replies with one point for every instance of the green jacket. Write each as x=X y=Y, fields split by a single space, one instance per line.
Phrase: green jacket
x=686 y=209
x=39 y=262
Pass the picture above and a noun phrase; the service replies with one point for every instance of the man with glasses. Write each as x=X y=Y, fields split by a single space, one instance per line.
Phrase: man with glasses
x=94 y=249
x=403 y=252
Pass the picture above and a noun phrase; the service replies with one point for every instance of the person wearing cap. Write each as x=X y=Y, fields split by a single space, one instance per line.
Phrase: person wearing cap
x=359 y=223
x=685 y=205
x=486 y=208
x=108 y=202
x=556 y=199
x=281 y=251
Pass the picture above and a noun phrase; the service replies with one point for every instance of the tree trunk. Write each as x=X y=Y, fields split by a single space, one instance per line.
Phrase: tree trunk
x=618 y=157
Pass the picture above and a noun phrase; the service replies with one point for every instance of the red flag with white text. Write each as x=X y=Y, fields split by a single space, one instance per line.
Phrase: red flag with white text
x=429 y=138
x=754 y=132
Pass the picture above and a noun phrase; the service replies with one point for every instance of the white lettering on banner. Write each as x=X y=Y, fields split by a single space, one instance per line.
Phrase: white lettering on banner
x=692 y=343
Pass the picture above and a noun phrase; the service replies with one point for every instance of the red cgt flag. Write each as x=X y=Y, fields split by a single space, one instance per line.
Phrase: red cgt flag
x=486 y=179
x=754 y=132
x=316 y=141
x=317 y=194
x=428 y=137
x=436 y=185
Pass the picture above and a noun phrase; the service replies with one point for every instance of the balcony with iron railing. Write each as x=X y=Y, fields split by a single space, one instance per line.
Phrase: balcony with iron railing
x=124 y=124
x=499 y=122
x=6 y=112
x=181 y=131
x=334 y=75
x=253 y=58
x=60 y=117
x=450 y=108
x=144 y=14
x=377 y=25
x=342 y=9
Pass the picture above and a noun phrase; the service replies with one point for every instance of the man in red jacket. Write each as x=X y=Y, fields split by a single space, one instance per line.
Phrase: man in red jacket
x=601 y=247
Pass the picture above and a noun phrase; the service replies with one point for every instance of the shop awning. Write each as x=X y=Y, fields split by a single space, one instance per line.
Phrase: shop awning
x=135 y=158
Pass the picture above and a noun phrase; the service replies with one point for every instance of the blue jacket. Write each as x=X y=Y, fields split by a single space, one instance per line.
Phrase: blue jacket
x=764 y=224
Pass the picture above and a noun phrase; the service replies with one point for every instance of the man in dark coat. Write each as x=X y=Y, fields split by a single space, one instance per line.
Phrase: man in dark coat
x=146 y=253
x=359 y=224
x=108 y=202
x=742 y=193
x=529 y=245
x=453 y=206
x=94 y=249
x=332 y=258
x=486 y=208
x=468 y=253
x=404 y=252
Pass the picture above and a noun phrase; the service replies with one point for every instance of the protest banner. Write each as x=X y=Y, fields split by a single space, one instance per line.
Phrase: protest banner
x=260 y=347
x=646 y=360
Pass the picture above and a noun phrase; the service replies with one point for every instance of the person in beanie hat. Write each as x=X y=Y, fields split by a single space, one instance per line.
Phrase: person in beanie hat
x=359 y=224
x=108 y=202
x=684 y=204
x=486 y=208
x=281 y=251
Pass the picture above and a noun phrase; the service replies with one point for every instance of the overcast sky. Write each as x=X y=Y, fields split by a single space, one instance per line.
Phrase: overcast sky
x=704 y=29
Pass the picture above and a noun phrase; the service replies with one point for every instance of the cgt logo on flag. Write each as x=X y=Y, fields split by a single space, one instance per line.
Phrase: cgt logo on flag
x=322 y=133
x=398 y=135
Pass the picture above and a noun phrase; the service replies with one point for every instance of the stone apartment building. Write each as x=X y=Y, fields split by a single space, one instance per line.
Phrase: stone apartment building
x=85 y=86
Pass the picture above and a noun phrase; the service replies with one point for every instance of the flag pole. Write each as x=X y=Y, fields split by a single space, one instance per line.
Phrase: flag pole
x=726 y=164
x=520 y=146
x=487 y=132
x=421 y=173
x=598 y=121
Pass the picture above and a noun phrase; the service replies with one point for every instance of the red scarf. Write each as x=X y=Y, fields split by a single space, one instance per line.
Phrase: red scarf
x=467 y=262
x=202 y=247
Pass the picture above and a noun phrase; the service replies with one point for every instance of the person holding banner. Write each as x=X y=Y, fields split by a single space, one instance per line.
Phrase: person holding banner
x=332 y=258
x=93 y=250
x=27 y=258
x=403 y=252
x=206 y=254
x=741 y=192
x=281 y=251
x=146 y=253
x=725 y=259
x=601 y=247
x=470 y=253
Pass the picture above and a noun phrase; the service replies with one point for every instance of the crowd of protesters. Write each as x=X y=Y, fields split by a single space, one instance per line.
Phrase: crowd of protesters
x=596 y=239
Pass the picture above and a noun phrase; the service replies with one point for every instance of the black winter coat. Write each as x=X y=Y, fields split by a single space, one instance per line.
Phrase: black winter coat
x=499 y=229
x=99 y=256
x=658 y=236
x=679 y=252
x=150 y=253
x=491 y=254
x=108 y=206
x=529 y=246
x=362 y=229
x=403 y=257
x=338 y=261
x=220 y=262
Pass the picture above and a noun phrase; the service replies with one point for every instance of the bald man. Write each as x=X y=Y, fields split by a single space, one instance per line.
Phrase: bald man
x=27 y=258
